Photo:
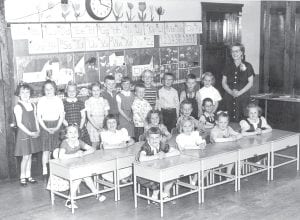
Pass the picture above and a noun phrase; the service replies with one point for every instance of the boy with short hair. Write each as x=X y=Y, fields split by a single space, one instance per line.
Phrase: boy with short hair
x=190 y=93
x=110 y=94
x=140 y=108
x=169 y=102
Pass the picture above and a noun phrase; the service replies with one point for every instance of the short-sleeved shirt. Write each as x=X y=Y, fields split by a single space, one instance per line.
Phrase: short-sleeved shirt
x=191 y=141
x=72 y=150
x=114 y=138
x=216 y=132
x=140 y=109
x=168 y=98
x=208 y=92
x=236 y=78
x=50 y=108
x=96 y=106
x=246 y=127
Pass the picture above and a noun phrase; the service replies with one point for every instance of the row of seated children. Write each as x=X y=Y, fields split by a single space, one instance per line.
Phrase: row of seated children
x=156 y=148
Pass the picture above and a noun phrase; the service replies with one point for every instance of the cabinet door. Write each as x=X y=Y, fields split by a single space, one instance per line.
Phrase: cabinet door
x=296 y=82
x=277 y=48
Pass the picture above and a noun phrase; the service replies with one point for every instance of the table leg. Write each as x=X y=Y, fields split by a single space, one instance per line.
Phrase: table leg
x=272 y=162
x=199 y=188
x=268 y=166
x=134 y=189
x=71 y=196
x=266 y=109
x=161 y=199
x=239 y=171
x=118 y=182
x=202 y=183
x=298 y=156
x=116 y=185
x=235 y=177
x=51 y=188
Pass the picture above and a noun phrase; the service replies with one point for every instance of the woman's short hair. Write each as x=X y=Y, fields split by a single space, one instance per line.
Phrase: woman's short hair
x=237 y=44
x=109 y=117
x=252 y=105
x=24 y=86
x=52 y=83
x=184 y=120
x=148 y=118
x=213 y=79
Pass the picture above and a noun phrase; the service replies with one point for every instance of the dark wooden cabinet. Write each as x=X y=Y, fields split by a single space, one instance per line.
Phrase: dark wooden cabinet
x=280 y=60
x=280 y=47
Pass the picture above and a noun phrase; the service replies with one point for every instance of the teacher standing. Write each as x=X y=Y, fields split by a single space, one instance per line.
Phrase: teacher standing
x=237 y=81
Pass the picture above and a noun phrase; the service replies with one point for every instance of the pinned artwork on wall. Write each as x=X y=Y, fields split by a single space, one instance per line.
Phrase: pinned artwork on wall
x=112 y=63
x=139 y=60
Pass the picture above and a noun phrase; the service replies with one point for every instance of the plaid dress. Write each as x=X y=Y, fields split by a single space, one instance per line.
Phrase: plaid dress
x=73 y=116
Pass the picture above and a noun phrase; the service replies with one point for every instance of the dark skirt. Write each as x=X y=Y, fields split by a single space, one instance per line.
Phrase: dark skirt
x=50 y=141
x=236 y=106
x=26 y=145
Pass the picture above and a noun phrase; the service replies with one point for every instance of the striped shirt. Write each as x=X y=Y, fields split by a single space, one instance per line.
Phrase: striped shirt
x=151 y=95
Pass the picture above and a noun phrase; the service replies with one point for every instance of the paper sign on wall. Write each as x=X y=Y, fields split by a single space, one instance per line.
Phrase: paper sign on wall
x=42 y=46
x=84 y=30
x=192 y=27
x=56 y=30
x=26 y=31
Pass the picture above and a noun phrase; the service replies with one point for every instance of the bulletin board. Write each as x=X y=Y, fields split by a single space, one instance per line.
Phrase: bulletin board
x=87 y=52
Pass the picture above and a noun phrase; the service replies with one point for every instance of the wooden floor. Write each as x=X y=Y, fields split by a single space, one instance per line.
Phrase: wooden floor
x=258 y=199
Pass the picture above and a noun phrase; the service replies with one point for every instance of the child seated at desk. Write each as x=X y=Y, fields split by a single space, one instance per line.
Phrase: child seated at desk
x=186 y=111
x=154 y=149
x=72 y=147
x=154 y=119
x=207 y=119
x=222 y=132
x=189 y=139
x=112 y=138
x=254 y=124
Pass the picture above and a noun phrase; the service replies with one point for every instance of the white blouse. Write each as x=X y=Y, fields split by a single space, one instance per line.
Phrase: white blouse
x=50 y=108
x=115 y=138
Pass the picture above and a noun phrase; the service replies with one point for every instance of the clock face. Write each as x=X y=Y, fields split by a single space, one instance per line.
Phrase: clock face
x=98 y=9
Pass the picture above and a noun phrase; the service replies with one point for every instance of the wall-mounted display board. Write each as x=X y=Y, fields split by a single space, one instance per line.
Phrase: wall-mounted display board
x=87 y=52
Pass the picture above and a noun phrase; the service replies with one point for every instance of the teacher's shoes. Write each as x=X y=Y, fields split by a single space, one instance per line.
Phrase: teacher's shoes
x=23 y=182
x=68 y=204
x=31 y=180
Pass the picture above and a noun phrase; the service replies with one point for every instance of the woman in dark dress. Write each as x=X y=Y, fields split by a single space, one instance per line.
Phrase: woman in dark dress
x=237 y=81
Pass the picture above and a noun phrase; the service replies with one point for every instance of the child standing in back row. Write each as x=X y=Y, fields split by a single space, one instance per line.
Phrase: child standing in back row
x=140 y=109
x=27 y=141
x=169 y=102
x=75 y=112
x=96 y=109
x=125 y=100
x=50 y=114
x=208 y=91
x=150 y=90
x=110 y=93
x=190 y=93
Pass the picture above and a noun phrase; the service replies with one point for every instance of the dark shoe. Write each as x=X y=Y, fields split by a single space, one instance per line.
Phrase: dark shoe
x=23 y=182
x=31 y=180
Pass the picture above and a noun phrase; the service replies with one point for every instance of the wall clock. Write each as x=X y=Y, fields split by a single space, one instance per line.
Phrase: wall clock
x=98 y=9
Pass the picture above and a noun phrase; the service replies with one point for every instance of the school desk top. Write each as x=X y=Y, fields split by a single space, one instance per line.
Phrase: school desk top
x=277 y=97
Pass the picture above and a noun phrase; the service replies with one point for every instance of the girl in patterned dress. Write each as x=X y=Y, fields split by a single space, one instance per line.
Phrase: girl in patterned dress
x=50 y=114
x=124 y=100
x=96 y=108
x=27 y=141
x=75 y=112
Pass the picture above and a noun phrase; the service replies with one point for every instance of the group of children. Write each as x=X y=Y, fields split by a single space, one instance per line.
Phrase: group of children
x=111 y=120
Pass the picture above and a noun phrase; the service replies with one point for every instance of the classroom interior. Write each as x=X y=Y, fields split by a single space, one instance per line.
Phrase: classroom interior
x=35 y=34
